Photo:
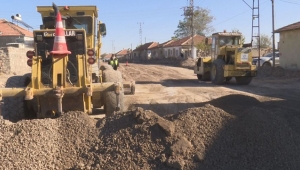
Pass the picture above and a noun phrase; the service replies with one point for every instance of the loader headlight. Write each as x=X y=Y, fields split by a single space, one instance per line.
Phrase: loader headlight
x=30 y=54
x=79 y=37
x=91 y=60
x=39 y=38
x=90 y=52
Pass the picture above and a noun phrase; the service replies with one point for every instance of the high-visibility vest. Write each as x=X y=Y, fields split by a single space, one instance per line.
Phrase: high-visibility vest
x=114 y=63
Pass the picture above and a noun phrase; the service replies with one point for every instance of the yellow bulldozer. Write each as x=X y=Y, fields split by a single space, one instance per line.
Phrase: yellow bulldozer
x=229 y=58
x=62 y=83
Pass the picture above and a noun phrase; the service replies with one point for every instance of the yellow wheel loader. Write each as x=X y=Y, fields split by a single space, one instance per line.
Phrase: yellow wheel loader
x=64 y=82
x=229 y=58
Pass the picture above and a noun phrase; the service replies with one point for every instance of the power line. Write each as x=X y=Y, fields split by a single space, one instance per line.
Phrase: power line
x=291 y=2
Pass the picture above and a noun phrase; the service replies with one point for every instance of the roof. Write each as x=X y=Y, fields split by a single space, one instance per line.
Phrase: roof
x=160 y=45
x=178 y=42
x=186 y=41
x=89 y=10
x=10 y=29
x=146 y=46
x=290 y=27
x=108 y=56
x=123 y=52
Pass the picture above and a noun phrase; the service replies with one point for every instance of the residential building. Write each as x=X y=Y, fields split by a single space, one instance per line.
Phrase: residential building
x=124 y=54
x=182 y=47
x=288 y=46
x=12 y=33
x=144 y=51
x=158 y=51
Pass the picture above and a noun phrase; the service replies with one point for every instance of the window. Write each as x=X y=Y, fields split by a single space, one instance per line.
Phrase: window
x=82 y=22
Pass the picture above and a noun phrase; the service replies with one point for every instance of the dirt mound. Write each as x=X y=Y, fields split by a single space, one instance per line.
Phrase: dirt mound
x=198 y=138
x=188 y=63
x=277 y=72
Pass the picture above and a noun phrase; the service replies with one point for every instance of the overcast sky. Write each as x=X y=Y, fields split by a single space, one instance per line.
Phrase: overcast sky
x=160 y=18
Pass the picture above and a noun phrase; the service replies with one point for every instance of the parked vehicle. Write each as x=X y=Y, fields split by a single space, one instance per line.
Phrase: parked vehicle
x=267 y=60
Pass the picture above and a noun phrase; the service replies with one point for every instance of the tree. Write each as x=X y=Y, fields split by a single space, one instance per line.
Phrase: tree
x=265 y=41
x=203 y=48
x=202 y=20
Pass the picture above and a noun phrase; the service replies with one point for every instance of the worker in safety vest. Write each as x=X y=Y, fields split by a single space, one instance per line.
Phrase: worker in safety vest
x=114 y=62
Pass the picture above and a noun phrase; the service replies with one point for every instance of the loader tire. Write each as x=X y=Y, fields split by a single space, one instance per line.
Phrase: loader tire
x=199 y=76
x=110 y=97
x=228 y=78
x=217 y=72
x=205 y=77
x=243 y=80
x=14 y=107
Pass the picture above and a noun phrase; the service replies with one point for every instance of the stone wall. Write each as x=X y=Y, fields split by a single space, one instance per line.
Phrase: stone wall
x=14 y=60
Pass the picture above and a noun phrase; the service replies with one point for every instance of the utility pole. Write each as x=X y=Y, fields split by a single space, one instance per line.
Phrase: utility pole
x=189 y=12
x=192 y=19
x=255 y=25
x=140 y=32
x=273 y=36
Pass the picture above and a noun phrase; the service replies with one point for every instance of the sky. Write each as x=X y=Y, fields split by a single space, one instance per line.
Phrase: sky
x=158 y=19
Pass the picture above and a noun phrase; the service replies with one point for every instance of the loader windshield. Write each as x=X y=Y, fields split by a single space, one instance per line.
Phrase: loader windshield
x=226 y=40
x=82 y=22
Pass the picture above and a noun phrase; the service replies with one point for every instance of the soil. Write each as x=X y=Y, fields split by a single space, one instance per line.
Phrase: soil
x=173 y=121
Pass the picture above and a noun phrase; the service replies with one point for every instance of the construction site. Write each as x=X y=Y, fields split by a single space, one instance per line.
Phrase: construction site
x=62 y=107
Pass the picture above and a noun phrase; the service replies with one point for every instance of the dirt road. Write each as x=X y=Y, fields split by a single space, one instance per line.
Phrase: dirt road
x=204 y=127
x=167 y=90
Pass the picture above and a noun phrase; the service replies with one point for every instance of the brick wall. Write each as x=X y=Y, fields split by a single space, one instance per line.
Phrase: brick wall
x=14 y=60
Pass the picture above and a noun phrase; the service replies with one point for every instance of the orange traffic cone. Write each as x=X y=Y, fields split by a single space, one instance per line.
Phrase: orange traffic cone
x=60 y=45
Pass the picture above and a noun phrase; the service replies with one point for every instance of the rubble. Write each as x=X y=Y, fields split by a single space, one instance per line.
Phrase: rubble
x=203 y=138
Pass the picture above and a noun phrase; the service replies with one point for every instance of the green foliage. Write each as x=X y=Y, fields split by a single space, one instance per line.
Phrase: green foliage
x=265 y=41
x=203 y=48
x=202 y=20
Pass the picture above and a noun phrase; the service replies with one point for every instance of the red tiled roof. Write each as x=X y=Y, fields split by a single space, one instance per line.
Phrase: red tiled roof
x=167 y=42
x=161 y=45
x=123 y=52
x=146 y=46
x=290 y=27
x=178 y=42
x=108 y=56
x=10 y=29
x=188 y=41
x=197 y=39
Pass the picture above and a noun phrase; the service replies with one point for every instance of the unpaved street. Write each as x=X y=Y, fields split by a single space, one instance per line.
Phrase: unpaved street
x=167 y=90
x=192 y=125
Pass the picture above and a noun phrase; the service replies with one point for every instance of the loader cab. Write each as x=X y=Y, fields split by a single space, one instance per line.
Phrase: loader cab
x=223 y=41
x=81 y=30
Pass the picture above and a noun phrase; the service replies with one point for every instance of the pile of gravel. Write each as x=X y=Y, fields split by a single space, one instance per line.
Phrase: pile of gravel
x=198 y=138
x=188 y=63
x=277 y=72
